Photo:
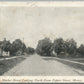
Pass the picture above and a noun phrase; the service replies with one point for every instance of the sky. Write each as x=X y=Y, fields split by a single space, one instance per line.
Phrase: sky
x=36 y=23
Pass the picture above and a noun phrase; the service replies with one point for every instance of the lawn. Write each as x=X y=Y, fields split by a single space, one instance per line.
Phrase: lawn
x=74 y=65
x=6 y=65
x=78 y=60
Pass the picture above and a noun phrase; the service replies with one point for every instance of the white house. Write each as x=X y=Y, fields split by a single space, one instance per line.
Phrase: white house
x=4 y=53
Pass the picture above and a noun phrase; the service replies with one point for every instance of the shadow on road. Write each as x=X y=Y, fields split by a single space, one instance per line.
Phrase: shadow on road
x=6 y=65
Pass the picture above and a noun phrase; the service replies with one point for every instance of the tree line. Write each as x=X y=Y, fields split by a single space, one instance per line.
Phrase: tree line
x=17 y=47
x=45 y=47
x=61 y=48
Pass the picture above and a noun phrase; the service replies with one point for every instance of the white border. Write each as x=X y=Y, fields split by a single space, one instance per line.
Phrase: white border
x=44 y=3
x=54 y=79
x=42 y=79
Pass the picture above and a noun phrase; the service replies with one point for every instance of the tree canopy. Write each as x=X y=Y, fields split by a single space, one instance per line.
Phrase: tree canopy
x=44 y=47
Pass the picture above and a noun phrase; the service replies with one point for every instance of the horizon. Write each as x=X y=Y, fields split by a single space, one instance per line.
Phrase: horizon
x=36 y=23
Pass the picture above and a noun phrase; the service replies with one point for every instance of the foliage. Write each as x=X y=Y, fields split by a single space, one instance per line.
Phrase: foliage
x=17 y=45
x=63 y=48
x=14 y=47
x=70 y=46
x=30 y=50
x=44 y=47
x=58 y=45
x=5 y=46
x=81 y=49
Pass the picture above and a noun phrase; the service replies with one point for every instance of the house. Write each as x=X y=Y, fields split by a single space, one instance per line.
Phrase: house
x=5 y=53
x=54 y=53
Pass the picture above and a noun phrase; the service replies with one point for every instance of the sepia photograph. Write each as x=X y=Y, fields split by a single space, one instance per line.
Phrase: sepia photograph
x=41 y=39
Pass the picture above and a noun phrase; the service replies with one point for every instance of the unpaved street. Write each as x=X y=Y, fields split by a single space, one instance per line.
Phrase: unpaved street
x=36 y=65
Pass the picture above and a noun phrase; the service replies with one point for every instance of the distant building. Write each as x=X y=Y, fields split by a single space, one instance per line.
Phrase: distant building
x=6 y=53
x=54 y=53
x=3 y=53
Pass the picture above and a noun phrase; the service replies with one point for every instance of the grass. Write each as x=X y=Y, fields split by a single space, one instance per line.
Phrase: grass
x=78 y=60
x=74 y=65
x=6 y=65
x=73 y=58
x=5 y=57
x=81 y=59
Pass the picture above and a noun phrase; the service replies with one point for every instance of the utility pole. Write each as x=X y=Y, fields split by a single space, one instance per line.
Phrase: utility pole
x=23 y=39
x=23 y=45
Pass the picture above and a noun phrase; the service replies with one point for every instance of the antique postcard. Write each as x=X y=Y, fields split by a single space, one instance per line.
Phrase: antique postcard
x=42 y=42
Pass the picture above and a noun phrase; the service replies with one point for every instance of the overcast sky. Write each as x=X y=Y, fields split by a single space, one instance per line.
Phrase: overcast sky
x=35 y=23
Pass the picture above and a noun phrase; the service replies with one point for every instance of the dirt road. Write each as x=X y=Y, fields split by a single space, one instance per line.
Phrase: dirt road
x=36 y=65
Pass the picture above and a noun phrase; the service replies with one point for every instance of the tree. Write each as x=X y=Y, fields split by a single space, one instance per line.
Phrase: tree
x=58 y=45
x=81 y=49
x=44 y=47
x=18 y=45
x=5 y=46
x=30 y=50
x=1 y=48
x=70 y=46
x=23 y=47
x=65 y=48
